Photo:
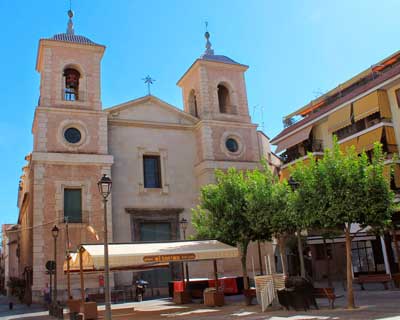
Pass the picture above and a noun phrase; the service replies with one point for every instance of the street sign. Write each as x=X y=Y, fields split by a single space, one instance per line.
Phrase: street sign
x=169 y=257
x=51 y=265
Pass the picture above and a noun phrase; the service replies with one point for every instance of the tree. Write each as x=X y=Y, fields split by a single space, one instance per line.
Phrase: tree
x=223 y=213
x=283 y=220
x=269 y=208
x=342 y=189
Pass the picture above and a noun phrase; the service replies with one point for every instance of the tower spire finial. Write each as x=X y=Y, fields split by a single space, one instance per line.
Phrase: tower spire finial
x=70 y=28
x=209 y=50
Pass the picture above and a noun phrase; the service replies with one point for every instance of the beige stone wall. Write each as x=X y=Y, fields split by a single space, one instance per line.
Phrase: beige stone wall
x=204 y=77
x=177 y=150
x=233 y=80
x=49 y=182
x=50 y=124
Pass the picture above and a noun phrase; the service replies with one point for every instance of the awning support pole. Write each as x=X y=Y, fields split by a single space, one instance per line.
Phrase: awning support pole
x=216 y=275
x=68 y=276
x=183 y=276
x=81 y=274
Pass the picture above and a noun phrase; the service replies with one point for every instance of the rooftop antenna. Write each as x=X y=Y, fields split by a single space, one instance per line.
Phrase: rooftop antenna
x=254 y=110
x=317 y=93
x=262 y=119
x=70 y=28
x=149 y=81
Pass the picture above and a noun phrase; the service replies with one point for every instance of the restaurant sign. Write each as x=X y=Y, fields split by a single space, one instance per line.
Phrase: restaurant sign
x=169 y=257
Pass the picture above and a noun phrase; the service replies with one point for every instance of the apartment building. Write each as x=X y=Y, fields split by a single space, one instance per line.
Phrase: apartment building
x=360 y=112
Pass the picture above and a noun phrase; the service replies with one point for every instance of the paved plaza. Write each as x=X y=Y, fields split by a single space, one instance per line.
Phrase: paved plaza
x=374 y=304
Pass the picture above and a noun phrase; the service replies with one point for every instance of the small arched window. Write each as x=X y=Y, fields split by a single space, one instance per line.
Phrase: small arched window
x=71 y=86
x=193 y=104
x=223 y=99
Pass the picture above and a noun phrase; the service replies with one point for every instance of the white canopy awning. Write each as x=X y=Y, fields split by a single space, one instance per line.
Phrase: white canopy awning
x=140 y=256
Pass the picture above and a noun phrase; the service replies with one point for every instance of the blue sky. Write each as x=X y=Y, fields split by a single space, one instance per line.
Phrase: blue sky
x=295 y=50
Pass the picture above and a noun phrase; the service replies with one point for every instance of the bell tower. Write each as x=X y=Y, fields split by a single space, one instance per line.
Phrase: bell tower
x=214 y=86
x=214 y=90
x=69 y=67
x=70 y=150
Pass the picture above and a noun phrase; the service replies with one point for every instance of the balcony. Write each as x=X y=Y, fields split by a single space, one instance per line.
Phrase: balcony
x=364 y=138
x=360 y=125
x=301 y=150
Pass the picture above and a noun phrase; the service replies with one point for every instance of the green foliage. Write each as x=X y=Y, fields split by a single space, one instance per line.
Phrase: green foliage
x=344 y=188
x=17 y=287
x=221 y=211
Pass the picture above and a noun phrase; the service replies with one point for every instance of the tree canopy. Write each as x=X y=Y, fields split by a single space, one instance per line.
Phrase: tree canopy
x=344 y=188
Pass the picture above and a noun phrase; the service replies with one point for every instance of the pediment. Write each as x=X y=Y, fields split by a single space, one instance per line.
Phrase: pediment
x=150 y=109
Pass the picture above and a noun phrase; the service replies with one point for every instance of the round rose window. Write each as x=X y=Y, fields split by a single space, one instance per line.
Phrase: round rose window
x=232 y=145
x=72 y=135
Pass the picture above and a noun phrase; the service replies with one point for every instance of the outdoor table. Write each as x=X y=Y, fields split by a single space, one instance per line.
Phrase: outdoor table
x=228 y=285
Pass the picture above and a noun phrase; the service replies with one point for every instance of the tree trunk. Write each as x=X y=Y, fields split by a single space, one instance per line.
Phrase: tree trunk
x=243 y=259
x=282 y=253
x=301 y=257
x=396 y=245
x=349 y=274
x=328 y=264
x=259 y=257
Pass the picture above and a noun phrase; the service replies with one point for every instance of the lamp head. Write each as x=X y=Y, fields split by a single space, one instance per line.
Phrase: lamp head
x=55 y=231
x=104 y=186
x=184 y=224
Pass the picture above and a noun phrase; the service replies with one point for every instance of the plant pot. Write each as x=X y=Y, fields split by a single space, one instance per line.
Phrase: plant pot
x=182 y=297
x=89 y=309
x=214 y=298
x=74 y=305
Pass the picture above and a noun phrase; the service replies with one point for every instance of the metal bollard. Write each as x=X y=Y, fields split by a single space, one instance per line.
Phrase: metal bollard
x=10 y=305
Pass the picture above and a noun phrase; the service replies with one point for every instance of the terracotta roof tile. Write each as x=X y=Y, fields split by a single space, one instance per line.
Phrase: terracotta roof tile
x=72 y=38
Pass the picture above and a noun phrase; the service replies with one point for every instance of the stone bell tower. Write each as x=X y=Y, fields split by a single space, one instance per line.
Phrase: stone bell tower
x=214 y=90
x=70 y=152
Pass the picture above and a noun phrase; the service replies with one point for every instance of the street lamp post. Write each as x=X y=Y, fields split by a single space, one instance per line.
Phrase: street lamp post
x=54 y=232
x=294 y=185
x=104 y=186
x=184 y=224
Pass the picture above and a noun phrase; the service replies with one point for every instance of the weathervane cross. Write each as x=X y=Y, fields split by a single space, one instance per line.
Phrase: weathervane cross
x=149 y=81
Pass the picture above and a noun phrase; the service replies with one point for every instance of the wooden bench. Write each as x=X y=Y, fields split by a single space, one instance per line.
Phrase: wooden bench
x=326 y=293
x=371 y=278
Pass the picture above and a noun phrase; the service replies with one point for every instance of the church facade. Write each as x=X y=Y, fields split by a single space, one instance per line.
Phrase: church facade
x=157 y=155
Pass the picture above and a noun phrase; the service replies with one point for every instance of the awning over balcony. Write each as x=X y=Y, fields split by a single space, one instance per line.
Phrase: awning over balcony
x=347 y=144
x=366 y=141
x=293 y=139
x=140 y=256
x=391 y=139
x=376 y=101
x=339 y=119
x=390 y=135
x=396 y=173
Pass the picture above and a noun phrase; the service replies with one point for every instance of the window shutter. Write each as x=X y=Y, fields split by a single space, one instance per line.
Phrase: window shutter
x=73 y=205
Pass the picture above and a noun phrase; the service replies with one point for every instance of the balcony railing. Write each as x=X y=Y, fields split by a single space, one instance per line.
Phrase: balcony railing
x=302 y=149
x=360 y=125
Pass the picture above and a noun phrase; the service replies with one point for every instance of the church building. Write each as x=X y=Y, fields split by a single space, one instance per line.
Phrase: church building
x=157 y=155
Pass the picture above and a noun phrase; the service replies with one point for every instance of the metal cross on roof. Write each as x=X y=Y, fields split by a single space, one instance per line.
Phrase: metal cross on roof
x=149 y=81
